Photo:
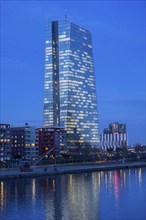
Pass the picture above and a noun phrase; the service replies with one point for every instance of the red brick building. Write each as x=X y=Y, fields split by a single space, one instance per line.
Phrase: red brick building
x=48 y=138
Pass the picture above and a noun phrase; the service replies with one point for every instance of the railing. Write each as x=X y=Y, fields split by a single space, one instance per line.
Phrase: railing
x=47 y=152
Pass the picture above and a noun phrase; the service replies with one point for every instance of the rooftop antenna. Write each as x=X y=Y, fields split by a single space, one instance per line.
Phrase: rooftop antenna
x=65 y=15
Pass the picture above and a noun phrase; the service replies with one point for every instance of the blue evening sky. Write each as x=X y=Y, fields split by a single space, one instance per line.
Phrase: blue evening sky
x=118 y=32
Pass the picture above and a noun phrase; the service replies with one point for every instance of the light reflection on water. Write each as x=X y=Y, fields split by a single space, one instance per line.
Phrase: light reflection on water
x=118 y=194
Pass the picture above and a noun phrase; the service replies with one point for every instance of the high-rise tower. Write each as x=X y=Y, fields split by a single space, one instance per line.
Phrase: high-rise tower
x=69 y=85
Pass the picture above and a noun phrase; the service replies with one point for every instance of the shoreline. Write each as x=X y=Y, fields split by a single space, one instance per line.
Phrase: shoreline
x=49 y=170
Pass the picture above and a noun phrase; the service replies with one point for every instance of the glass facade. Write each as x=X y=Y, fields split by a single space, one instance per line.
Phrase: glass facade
x=69 y=85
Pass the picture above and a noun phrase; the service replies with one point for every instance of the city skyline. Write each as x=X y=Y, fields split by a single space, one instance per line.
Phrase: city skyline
x=118 y=43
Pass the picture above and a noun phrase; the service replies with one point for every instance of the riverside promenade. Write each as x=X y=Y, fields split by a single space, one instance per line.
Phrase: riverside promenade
x=46 y=170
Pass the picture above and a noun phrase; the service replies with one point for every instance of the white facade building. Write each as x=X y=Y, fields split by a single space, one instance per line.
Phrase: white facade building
x=114 y=137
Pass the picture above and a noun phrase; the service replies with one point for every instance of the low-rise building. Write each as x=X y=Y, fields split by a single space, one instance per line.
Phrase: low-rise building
x=24 y=142
x=114 y=137
x=31 y=149
x=18 y=142
x=48 y=138
x=5 y=142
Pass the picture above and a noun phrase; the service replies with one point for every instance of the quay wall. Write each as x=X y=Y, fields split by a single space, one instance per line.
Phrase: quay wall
x=58 y=170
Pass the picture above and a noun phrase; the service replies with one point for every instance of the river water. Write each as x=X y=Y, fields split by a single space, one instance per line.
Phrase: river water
x=111 y=195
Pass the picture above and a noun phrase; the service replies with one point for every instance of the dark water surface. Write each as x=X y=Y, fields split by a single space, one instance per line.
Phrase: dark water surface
x=87 y=196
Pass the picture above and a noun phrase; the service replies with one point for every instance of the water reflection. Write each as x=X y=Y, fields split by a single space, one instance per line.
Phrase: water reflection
x=140 y=177
x=2 y=195
x=33 y=190
x=116 y=184
x=73 y=196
